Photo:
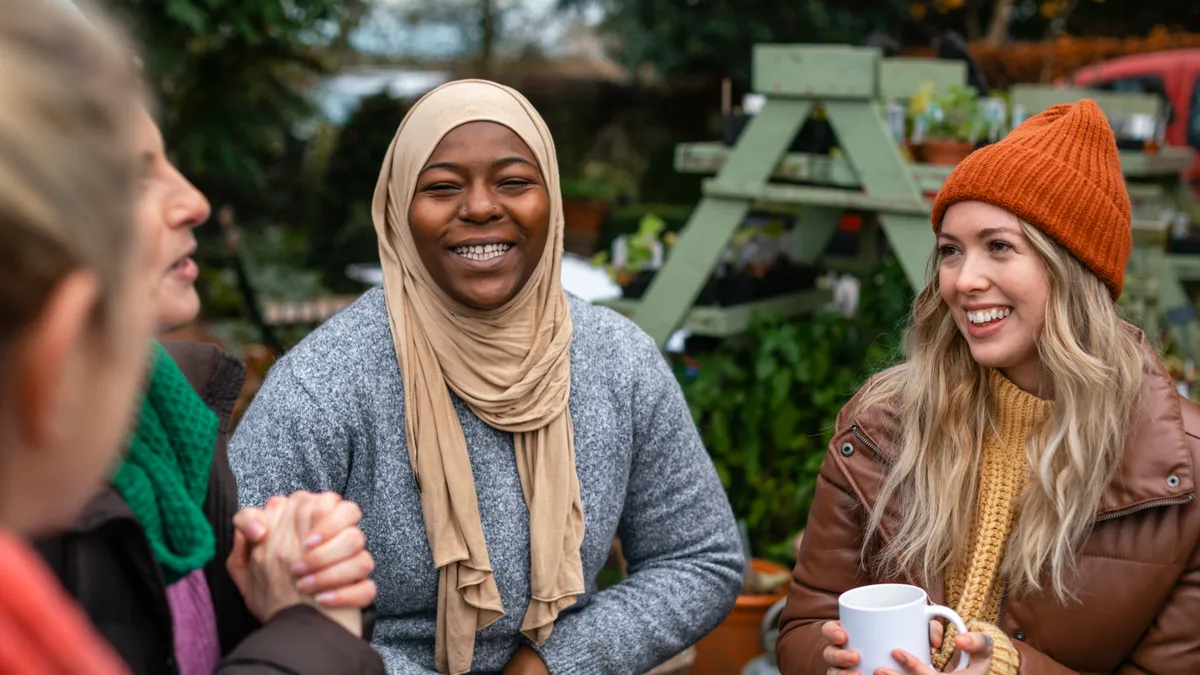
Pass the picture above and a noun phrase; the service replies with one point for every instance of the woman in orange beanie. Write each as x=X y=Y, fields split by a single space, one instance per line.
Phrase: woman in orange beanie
x=1030 y=463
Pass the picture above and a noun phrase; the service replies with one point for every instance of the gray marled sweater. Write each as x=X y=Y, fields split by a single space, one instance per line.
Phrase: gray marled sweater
x=331 y=417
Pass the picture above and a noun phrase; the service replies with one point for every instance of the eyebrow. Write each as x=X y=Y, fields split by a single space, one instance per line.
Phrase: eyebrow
x=984 y=233
x=501 y=162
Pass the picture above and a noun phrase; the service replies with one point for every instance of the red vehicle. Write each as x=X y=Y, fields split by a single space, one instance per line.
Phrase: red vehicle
x=1173 y=75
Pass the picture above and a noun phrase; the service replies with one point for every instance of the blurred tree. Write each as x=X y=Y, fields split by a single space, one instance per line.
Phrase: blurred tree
x=482 y=30
x=714 y=38
x=229 y=76
x=344 y=233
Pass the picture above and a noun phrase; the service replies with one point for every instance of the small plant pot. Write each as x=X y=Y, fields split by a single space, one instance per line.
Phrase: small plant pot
x=736 y=288
x=738 y=639
x=637 y=286
x=584 y=216
x=945 y=152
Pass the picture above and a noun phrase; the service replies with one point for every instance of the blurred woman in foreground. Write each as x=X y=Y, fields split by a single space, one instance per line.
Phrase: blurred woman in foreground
x=76 y=309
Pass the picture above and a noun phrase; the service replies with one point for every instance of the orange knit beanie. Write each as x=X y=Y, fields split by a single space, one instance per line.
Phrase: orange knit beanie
x=1060 y=172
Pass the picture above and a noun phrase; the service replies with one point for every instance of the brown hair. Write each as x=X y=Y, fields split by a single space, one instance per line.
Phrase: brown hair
x=67 y=163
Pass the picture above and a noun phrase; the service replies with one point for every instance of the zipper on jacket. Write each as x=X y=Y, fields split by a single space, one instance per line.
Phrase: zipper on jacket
x=1117 y=514
x=1148 y=505
x=1000 y=616
x=862 y=438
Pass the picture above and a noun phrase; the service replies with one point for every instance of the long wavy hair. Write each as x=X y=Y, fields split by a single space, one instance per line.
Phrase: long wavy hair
x=1093 y=366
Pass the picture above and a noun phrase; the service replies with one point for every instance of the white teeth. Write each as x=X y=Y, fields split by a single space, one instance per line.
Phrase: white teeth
x=485 y=252
x=988 y=315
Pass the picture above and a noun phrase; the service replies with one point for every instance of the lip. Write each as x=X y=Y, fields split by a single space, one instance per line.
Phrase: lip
x=480 y=241
x=185 y=269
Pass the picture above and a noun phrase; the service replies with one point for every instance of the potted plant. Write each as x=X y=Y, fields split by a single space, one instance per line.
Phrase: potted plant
x=636 y=257
x=950 y=122
x=585 y=207
x=738 y=639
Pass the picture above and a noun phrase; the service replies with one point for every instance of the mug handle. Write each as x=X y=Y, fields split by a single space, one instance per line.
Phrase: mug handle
x=952 y=616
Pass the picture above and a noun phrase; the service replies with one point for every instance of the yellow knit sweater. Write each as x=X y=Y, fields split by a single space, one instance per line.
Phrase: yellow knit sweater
x=974 y=587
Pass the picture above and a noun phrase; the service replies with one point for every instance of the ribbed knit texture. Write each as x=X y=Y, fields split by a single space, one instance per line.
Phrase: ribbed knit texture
x=164 y=478
x=974 y=587
x=194 y=624
x=1060 y=172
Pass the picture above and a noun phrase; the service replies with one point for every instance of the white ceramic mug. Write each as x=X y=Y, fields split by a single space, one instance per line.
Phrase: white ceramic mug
x=881 y=618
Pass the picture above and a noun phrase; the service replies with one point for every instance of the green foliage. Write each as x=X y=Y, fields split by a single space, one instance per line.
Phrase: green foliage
x=958 y=115
x=587 y=188
x=766 y=402
x=640 y=248
x=228 y=75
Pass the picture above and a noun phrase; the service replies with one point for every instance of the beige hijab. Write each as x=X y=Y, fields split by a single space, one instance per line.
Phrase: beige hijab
x=512 y=367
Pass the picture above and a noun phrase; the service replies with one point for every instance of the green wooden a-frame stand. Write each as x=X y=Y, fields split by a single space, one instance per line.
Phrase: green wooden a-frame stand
x=869 y=173
x=851 y=83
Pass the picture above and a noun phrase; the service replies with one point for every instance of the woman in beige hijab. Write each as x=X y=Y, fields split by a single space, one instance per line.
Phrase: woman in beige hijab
x=497 y=432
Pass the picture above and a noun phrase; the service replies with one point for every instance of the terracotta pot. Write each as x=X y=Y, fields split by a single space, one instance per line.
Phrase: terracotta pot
x=739 y=637
x=946 y=152
x=585 y=216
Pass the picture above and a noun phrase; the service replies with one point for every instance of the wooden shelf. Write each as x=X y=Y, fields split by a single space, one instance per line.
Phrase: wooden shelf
x=819 y=196
x=726 y=321
x=834 y=170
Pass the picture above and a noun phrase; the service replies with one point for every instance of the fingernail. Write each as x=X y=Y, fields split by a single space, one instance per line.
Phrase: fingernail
x=313 y=540
x=325 y=598
x=307 y=583
x=300 y=568
x=256 y=530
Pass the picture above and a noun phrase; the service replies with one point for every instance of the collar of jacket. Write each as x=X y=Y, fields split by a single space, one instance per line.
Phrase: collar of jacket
x=217 y=377
x=1156 y=468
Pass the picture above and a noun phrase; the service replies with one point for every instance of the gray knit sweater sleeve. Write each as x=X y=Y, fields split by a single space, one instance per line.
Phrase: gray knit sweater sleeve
x=677 y=534
x=289 y=441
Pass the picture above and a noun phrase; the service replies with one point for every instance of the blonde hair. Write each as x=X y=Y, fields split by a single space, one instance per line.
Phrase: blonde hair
x=67 y=160
x=1094 y=366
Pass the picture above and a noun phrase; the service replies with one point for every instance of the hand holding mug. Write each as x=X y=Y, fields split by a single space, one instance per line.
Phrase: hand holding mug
x=887 y=627
x=843 y=661
x=978 y=646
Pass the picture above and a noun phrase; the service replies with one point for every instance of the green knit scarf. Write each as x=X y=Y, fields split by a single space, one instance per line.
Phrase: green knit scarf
x=164 y=478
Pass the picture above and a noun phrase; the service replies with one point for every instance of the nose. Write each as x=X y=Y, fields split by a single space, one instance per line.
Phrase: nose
x=187 y=207
x=972 y=275
x=479 y=205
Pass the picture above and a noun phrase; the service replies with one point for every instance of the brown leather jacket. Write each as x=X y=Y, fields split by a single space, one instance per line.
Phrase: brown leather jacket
x=1139 y=571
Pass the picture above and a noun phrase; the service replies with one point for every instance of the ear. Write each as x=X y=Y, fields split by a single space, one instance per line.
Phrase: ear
x=48 y=357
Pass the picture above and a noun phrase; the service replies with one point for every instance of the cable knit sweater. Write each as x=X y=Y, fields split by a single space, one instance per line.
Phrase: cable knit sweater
x=331 y=417
x=974 y=587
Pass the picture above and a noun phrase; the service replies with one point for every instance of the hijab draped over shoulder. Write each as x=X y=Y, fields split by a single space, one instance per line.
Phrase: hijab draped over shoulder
x=510 y=365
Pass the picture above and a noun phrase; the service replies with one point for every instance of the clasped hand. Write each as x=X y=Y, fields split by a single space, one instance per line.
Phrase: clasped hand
x=303 y=549
x=843 y=661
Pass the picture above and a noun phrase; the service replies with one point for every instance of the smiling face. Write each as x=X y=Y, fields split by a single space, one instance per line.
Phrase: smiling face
x=480 y=215
x=996 y=286
x=172 y=204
